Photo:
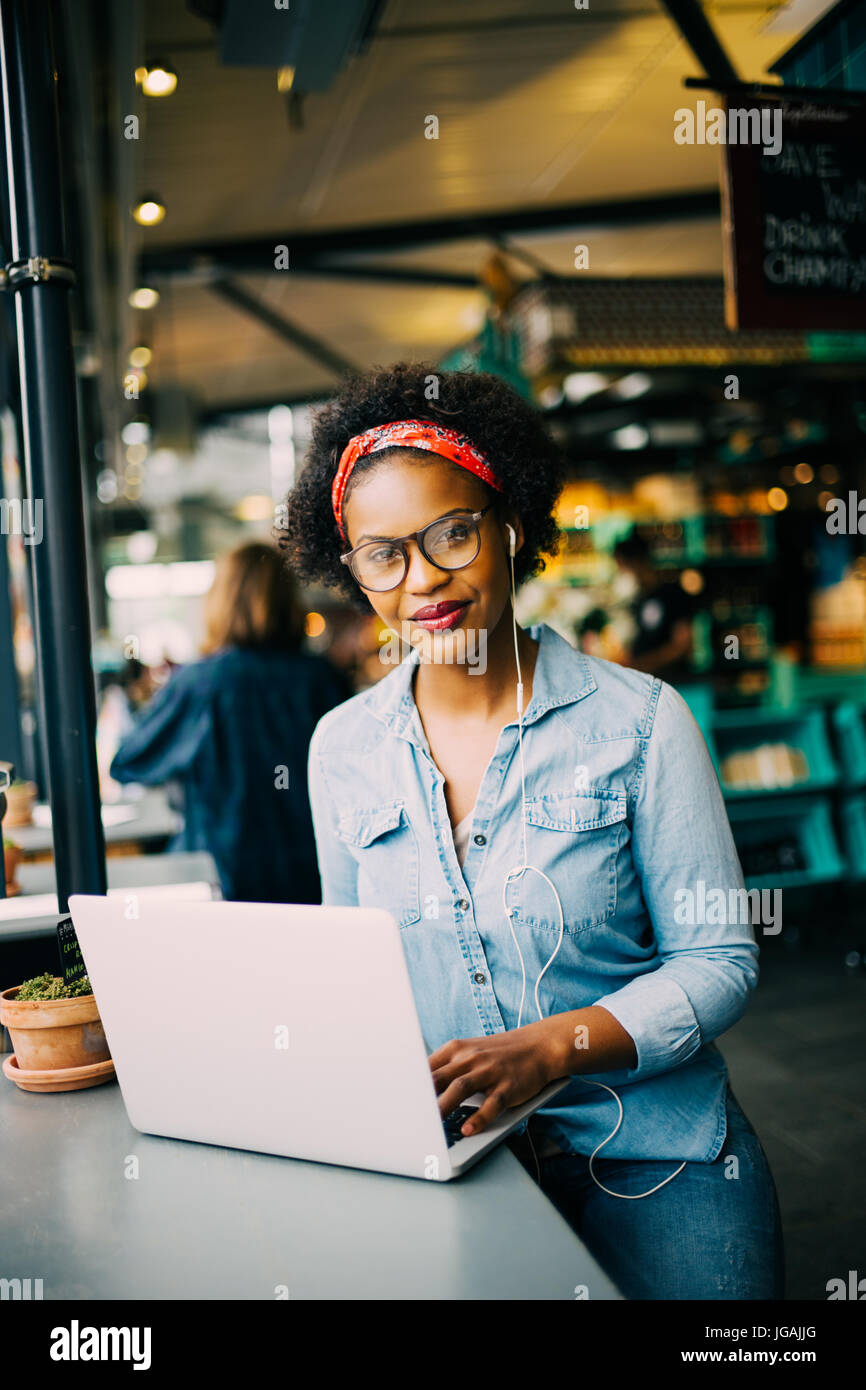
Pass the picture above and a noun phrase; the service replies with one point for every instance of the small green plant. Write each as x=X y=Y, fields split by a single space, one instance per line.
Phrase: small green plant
x=52 y=987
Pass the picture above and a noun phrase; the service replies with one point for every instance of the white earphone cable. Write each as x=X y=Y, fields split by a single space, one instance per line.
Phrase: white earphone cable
x=518 y=872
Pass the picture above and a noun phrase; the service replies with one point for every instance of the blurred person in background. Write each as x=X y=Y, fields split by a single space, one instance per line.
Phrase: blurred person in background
x=124 y=693
x=597 y=635
x=662 y=613
x=234 y=728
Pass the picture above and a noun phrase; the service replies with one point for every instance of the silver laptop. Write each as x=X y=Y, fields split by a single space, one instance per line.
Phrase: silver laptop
x=287 y=1030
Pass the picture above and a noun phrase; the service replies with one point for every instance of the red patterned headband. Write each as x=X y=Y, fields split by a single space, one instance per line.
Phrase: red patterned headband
x=411 y=434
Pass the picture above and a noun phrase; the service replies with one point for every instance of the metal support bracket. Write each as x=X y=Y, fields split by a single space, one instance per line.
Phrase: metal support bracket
x=31 y=270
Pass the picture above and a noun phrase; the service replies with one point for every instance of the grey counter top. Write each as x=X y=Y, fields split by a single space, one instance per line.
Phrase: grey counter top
x=203 y=1222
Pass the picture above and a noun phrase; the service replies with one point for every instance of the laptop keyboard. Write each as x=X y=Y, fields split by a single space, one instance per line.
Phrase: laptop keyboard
x=452 y=1123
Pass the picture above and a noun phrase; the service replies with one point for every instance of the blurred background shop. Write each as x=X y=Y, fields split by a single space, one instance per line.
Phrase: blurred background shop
x=258 y=200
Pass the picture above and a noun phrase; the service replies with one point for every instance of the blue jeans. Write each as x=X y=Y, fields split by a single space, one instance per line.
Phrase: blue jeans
x=704 y=1235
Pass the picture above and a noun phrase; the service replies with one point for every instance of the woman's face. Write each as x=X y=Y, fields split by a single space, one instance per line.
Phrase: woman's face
x=399 y=496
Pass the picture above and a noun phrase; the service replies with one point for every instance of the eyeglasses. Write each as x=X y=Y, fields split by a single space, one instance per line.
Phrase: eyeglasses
x=450 y=543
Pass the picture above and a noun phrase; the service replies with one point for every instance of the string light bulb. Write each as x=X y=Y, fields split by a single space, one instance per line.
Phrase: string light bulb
x=149 y=211
x=159 y=80
x=144 y=298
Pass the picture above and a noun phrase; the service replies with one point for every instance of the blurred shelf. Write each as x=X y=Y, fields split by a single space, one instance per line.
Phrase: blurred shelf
x=763 y=733
x=848 y=722
x=816 y=685
x=800 y=831
x=853 y=819
x=689 y=541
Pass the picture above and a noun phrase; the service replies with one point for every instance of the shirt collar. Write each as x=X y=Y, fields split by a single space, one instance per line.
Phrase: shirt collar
x=562 y=676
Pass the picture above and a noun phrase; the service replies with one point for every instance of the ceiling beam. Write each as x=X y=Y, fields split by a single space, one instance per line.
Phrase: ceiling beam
x=689 y=17
x=225 y=413
x=309 y=250
x=753 y=377
x=284 y=328
x=397 y=274
x=605 y=14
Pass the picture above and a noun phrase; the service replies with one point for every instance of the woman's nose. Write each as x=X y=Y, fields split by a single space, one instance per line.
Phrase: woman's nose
x=421 y=575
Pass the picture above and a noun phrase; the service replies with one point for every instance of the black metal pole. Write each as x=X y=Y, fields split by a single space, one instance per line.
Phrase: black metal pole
x=40 y=282
x=10 y=701
x=7 y=775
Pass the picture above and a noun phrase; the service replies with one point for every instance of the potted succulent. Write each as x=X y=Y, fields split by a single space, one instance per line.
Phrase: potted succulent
x=20 y=800
x=57 y=1035
x=11 y=858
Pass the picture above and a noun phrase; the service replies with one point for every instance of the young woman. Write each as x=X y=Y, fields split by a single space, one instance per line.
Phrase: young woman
x=548 y=874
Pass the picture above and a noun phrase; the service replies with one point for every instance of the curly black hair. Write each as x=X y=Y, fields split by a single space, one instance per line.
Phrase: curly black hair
x=504 y=427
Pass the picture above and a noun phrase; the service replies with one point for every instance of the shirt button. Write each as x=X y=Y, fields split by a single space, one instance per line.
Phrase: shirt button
x=479 y=978
x=462 y=905
x=480 y=839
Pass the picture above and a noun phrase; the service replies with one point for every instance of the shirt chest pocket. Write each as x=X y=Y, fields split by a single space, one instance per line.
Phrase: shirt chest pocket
x=385 y=846
x=575 y=839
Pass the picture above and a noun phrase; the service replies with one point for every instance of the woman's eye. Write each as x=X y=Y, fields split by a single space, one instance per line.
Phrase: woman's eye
x=382 y=555
x=458 y=531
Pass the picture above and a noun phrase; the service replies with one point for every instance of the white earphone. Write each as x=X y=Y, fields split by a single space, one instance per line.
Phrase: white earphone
x=518 y=872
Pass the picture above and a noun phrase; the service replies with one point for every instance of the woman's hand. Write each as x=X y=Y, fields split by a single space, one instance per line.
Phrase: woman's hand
x=513 y=1067
x=510 y=1067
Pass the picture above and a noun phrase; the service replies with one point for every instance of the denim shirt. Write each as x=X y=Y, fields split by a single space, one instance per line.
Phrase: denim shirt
x=624 y=812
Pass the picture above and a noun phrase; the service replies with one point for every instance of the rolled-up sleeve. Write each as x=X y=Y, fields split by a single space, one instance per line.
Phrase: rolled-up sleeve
x=684 y=854
x=338 y=870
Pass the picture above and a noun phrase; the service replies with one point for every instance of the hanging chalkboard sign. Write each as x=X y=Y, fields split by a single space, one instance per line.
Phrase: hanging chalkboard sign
x=71 y=960
x=795 y=220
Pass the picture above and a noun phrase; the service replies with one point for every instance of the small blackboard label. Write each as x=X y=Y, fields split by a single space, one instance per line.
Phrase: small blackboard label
x=71 y=960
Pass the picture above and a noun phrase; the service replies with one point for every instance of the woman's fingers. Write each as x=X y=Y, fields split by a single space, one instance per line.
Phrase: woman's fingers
x=507 y=1075
x=493 y=1106
x=459 y=1089
x=462 y=1057
x=456 y=1084
x=446 y=1052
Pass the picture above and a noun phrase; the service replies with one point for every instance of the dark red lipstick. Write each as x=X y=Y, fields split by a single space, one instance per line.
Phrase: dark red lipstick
x=438 y=616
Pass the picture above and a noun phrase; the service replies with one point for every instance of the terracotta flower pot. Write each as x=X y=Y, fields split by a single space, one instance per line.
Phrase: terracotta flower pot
x=50 y=1034
x=20 y=799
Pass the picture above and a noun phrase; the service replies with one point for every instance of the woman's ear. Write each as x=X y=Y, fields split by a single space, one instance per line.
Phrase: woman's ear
x=513 y=534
